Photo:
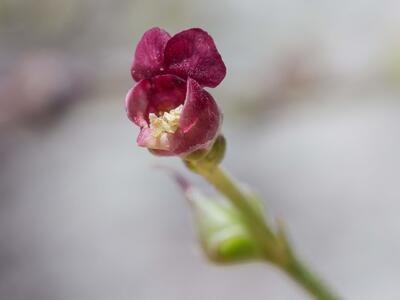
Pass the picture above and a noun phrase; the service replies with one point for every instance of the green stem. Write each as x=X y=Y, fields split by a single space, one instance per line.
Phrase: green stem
x=274 y=246
x=300 y=273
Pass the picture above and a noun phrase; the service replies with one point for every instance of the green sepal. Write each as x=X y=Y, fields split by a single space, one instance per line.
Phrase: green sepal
x=207 y=158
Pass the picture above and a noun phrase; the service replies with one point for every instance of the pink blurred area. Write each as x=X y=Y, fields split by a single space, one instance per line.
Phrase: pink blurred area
x=312 y=118
x=39 y=84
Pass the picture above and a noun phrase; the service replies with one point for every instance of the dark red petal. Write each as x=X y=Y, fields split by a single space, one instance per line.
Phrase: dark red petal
x=149 y=54
x=157 y=94
x=192 y=53
x=200 y=120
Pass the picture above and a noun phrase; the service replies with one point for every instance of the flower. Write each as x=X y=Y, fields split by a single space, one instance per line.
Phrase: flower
x=175 y=114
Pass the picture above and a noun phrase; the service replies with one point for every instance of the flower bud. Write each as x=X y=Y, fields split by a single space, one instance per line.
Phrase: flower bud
x=222 y=233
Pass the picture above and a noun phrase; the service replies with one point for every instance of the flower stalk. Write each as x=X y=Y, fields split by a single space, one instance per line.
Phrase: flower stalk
x=273 y=245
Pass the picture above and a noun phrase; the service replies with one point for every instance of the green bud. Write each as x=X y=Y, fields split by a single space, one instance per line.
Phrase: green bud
x=222 y=233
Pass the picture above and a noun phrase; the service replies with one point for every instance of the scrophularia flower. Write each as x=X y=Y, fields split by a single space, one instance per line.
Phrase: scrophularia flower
x=175 y=114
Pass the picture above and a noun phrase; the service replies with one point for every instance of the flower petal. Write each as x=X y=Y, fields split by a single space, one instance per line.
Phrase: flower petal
x=200 y=120
x=149 y=54
x=192 y=53
x=157 y=94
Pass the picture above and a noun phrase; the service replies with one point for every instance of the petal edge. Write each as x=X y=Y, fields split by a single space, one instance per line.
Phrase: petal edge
x=149 y=54
x=192 y=53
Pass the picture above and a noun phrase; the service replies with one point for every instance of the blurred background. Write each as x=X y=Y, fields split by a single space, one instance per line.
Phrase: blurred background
x=312 y=116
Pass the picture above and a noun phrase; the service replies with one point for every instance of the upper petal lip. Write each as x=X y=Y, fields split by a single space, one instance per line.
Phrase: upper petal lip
x=189 y=53
x=193 y=53
x=149 y=54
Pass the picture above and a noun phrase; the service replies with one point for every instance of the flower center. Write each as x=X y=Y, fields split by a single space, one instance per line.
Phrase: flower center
x=167 y=122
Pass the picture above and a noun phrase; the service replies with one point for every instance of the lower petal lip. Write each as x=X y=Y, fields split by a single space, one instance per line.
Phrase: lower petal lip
x=148 y=140
x=199 y=122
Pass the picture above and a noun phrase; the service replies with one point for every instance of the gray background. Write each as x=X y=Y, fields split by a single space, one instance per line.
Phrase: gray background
x=311 y=113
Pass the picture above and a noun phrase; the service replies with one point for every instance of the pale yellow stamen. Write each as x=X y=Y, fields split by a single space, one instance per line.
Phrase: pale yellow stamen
x=167 y=122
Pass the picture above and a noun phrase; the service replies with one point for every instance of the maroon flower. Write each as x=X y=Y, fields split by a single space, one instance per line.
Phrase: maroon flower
x=175 y=114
